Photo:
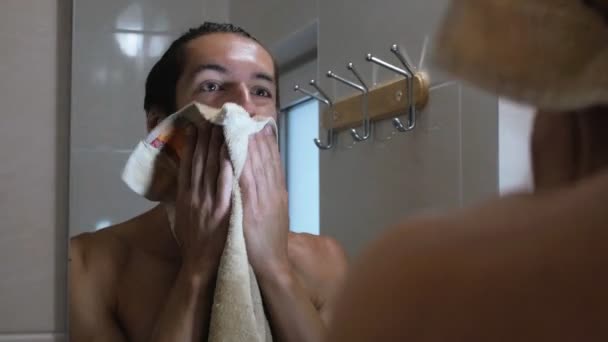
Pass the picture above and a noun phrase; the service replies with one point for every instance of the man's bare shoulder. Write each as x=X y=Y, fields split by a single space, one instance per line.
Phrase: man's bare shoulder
x=109 y=249
x=100 y=254
x=320 y=262
x=95 y=264
x=313 y=251
x=98 y=263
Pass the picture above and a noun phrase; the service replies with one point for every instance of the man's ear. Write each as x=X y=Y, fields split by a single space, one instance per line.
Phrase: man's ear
x=153 y=117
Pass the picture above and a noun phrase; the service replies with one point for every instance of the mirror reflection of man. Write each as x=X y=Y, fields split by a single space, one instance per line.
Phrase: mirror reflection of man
x=133 y=282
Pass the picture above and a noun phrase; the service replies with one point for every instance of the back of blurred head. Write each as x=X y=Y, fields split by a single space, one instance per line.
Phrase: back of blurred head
x=551 y=54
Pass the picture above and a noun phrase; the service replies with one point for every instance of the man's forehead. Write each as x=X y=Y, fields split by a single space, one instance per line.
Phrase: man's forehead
x=229 y=50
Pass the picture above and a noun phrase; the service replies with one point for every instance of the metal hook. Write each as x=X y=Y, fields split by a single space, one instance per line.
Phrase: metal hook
x=365 y=90
x=408 y=73
x=302 y=90
x=326 y=100
x=316 y=86
x=410 y=84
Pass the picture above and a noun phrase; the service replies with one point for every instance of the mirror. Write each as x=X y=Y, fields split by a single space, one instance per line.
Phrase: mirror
x=349 y=194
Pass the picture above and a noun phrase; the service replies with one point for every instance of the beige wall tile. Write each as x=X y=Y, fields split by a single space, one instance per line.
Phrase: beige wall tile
x=33 y=338
x=35 y=41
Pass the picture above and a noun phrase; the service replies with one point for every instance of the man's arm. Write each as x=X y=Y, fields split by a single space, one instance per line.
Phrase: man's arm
x=188 y=309
x=293 y=315
x=185 y=316
x=91 y=318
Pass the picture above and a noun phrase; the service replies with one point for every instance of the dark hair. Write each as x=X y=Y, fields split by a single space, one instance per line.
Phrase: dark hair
x=600 y=6
x=162 y=79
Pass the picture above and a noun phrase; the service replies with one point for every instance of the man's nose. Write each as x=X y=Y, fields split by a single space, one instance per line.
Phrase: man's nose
x=242 y=96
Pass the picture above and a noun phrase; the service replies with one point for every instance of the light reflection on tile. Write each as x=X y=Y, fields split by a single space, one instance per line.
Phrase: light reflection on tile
x=147 y=15
x=98 y=196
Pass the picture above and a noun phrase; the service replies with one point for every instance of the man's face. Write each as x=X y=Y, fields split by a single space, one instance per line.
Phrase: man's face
x=226 y=67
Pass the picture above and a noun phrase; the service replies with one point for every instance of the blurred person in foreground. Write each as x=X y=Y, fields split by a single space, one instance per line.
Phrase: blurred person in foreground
x=527 y=267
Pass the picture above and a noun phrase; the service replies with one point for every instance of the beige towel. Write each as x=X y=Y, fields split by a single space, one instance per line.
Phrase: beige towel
x=552 y=54
x=237 y=312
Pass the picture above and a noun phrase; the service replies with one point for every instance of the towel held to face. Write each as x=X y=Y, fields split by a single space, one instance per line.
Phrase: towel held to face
x=237 y=312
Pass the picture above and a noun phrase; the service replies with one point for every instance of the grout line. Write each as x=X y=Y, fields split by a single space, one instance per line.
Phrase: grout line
x=28 y=336
x=101 y=149
x=461 y=178
x=442 y=85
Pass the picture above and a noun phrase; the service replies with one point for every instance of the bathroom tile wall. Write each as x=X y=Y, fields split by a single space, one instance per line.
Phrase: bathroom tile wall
x=34 y=94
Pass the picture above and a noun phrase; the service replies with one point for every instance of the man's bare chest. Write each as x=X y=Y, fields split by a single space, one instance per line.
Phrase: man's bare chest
x=145 y=285
x=141 y=295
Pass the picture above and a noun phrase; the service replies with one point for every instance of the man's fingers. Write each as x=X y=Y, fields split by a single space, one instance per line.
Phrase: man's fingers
x=260 y=169
x=224 y=181
x=247 y=180
x=271 y=158
x=185 y=164
x=200 y=156
x=274 y=144
x=269 y=131
x=212 y=166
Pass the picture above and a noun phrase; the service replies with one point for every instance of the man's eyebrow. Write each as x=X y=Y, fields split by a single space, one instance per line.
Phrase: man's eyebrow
x=214 y=67
x=263 y=76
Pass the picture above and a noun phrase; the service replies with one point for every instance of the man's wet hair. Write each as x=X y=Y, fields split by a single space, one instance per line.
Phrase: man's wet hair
x=162 y=80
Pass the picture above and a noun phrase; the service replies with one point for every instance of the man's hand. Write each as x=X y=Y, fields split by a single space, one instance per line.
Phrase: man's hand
x=265 y=206
x=202 y=207
x=202 y=212
x=293 y=315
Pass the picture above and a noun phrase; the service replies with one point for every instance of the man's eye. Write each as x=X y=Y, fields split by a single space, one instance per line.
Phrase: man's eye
x=208 y=87
x=262 y=92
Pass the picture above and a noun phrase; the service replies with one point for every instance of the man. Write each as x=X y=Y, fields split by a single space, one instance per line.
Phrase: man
x=528 y=267
x=134 y=282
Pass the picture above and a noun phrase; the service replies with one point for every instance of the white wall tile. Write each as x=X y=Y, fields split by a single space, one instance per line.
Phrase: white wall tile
x=272 y=20
x=137 y=15
x=98 y=196
x=116 y=43
x=108 y=88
